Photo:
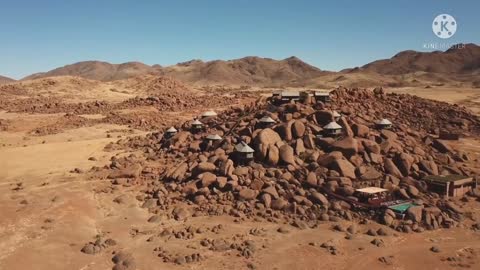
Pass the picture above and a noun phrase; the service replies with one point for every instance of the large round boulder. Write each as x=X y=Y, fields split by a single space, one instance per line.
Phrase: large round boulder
x=360 y=130
x=267 y=136
x=298 y=129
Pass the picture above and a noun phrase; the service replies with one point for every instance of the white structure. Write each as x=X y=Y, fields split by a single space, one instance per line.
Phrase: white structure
x=171 y=132
x=384 y=124
x=266 y=121
x=372 y=190
x=287 y=96
x=196 y=125
x=321 y=96
x=276 y=93
x=213 y=137
x=246 y=152
x=209 y=114
x=332 y=129
x=336 y=115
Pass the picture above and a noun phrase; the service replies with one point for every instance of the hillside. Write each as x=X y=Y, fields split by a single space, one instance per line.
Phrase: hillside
x=248 y=70
x=4 y=80
x=101 y=71
x=454 y=60
x=245 y=71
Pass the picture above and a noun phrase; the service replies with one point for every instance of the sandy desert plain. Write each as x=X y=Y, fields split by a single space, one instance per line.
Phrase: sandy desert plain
x=78 y=191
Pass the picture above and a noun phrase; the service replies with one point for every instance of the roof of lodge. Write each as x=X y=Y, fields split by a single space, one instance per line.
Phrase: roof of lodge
x=371 y=190
x=214 y=137
x=267 y=119
x=196 y=122
x=445 y=178
x=242 y=147
x=172 y=129
x=209 y=113
x=290 y=93
x=320 y=93
x=384 y=122
x=332 y=125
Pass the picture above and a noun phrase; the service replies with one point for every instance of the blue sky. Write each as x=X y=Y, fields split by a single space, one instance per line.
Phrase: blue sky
x=42 y=35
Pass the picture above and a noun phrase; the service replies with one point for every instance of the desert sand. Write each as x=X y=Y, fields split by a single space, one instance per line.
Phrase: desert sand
x=468 y=97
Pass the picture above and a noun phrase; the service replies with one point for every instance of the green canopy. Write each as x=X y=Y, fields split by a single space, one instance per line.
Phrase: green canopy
x=401 y=207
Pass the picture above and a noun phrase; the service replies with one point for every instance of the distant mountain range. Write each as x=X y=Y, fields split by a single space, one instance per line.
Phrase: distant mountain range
x=455 y=60
x=462 y=64
x=244 y=71
x=248 y=70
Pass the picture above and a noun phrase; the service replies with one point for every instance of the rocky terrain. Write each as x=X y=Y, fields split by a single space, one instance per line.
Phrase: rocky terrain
x=295 y=171
x=124 y=197
x=150 y=98
x=91 y=181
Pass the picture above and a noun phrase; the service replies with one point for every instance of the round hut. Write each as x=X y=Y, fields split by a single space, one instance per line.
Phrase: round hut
x=244 y=153
x=266 y=122
x=332 y=129
x=212 y=138
x=196 y=126
x=170 y=132
x=383 y=124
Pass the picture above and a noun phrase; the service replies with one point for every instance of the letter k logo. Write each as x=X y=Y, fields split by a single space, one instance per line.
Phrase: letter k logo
x=444 y=26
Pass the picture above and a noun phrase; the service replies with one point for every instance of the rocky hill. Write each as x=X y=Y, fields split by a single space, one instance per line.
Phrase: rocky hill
x=4 y=80
x=248 y=70
x=456 y=60
x=300 y=174
x=101 y=71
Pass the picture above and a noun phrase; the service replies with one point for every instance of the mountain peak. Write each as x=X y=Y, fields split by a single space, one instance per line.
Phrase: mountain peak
x=292 y=58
